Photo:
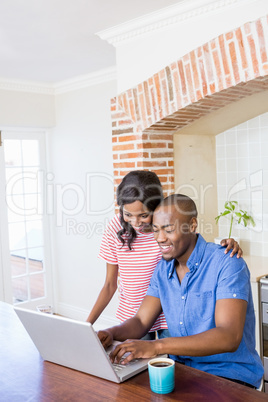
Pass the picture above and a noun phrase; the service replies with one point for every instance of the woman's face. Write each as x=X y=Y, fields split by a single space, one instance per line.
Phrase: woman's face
x=137 y=215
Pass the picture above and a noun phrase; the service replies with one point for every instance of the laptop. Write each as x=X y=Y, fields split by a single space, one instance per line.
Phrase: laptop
x=76 y=345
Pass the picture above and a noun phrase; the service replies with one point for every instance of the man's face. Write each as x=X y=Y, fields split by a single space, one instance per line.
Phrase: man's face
x=174 y=231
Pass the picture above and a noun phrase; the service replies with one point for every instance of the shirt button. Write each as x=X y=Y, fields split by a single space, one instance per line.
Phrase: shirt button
x=181 y=322
x=182 y=297
x=196 y=263
x=234 y=295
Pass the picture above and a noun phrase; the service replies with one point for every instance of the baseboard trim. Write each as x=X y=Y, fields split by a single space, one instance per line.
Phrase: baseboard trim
x=76 y=313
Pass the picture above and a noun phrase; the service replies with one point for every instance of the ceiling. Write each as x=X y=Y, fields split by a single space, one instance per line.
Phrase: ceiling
x=54 y=40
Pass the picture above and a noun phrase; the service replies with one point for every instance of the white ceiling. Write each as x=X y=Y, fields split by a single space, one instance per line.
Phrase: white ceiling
x=54 y=40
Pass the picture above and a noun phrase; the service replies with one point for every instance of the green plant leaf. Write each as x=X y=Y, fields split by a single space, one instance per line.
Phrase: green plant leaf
x=233 y=204
x=240 y=216
x=251 y=220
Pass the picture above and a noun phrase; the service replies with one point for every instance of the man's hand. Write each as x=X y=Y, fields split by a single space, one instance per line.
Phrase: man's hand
x=134 y=349
x=232 y=244
x=105 y=337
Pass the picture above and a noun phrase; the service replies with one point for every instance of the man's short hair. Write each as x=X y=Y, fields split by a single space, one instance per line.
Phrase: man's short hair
x=184 y=204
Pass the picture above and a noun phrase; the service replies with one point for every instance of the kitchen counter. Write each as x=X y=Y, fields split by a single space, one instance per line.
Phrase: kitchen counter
x=258 y=267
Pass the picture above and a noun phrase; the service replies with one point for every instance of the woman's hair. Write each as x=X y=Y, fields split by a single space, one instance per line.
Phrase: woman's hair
x=139 y=185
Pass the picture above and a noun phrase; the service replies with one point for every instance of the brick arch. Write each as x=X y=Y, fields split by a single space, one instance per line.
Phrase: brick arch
x=144 y=118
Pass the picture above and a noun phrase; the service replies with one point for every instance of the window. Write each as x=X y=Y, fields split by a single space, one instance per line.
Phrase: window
x=26 y=273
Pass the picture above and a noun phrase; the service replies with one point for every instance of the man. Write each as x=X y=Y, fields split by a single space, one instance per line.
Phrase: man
x=205 y=296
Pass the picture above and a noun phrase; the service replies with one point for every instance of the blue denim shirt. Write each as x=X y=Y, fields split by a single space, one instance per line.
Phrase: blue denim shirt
x=189 y=307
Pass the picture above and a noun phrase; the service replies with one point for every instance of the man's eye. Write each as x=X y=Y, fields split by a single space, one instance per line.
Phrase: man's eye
x=169 y=231
x=145 y=216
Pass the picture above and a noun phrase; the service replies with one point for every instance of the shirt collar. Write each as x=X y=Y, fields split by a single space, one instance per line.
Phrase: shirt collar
x=197 y=254
x=171 y=268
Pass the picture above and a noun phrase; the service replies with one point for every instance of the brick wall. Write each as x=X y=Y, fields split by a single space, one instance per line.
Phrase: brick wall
x=144 y=118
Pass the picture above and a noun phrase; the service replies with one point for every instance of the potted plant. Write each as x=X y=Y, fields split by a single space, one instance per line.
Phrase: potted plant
x=236 y=214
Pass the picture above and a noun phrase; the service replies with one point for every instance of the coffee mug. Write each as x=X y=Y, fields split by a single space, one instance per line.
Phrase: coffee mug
x=162 y=375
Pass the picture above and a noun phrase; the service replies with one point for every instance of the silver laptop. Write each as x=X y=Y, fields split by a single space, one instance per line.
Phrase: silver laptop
x=74 y=344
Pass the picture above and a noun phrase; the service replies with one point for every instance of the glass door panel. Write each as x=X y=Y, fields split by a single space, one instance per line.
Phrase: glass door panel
x=25 y=219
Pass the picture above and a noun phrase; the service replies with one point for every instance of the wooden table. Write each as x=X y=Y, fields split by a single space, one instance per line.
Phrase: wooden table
x=24 y=376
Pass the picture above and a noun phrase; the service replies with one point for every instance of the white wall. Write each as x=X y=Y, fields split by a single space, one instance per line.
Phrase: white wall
x=80 y=149
x=80 y=145
x=26 y=109
x=242 y=175
x=147 y=51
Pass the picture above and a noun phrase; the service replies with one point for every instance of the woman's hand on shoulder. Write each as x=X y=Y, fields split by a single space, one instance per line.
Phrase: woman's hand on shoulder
x=232 y=244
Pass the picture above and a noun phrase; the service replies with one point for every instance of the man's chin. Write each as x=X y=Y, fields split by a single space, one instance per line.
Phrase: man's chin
x=167 y=258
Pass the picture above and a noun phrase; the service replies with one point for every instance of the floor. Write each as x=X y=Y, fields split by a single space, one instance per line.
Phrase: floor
x=28 y=279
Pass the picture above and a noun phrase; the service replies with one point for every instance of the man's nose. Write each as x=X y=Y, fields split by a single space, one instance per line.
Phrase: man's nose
x=161 y=236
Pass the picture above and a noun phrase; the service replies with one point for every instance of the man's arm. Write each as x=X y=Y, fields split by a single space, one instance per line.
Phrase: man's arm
x=230 y=317
x=135 y=327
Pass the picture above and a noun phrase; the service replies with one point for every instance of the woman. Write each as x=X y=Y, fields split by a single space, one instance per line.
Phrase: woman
x=130 y=251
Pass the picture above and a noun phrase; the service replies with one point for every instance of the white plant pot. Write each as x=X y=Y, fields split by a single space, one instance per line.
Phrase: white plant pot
x=217 y=240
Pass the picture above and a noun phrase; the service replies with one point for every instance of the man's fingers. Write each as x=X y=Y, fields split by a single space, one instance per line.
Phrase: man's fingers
x=117 y=353
x=105 y=338
x=120 y=350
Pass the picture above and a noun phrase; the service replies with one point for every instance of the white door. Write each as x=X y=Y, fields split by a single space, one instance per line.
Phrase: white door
x=25 y=267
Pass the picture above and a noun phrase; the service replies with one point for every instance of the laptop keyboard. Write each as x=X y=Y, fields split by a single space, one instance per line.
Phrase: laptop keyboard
x=118 y=366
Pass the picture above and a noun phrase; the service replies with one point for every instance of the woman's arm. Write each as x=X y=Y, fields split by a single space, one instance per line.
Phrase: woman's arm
x=106 y=293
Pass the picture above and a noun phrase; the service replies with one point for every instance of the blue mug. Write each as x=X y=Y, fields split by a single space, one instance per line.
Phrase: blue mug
x=162 y=375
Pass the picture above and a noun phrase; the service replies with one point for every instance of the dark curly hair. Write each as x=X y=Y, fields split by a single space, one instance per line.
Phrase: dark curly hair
x=138 y=185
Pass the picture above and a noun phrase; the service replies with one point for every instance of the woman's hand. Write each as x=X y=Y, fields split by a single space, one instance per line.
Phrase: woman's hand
x=232 y=244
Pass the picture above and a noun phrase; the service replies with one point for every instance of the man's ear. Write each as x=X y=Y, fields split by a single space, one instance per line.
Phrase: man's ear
x=193 y=225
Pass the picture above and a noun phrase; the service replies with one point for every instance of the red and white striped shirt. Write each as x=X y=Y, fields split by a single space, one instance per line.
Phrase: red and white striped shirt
x=136 y=267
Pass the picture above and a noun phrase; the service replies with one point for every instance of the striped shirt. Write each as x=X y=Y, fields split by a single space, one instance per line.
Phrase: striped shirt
x=135 y=266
